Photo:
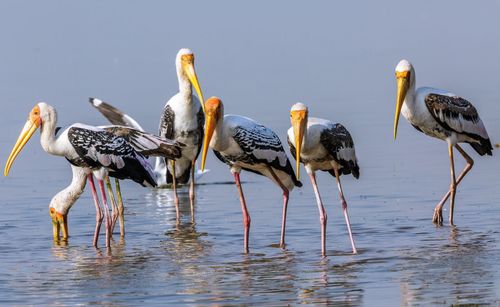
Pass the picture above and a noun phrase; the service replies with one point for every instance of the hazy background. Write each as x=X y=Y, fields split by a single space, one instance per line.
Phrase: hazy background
x=260 y=57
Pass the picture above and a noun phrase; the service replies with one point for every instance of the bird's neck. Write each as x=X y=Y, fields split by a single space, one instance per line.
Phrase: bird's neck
x=220 y=140
x=305 y=136
x=48 y=138
x=410 y=95
x=64 y=200
x=184 y=86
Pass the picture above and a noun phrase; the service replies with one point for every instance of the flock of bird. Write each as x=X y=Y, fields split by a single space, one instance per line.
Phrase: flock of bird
x=190 y=125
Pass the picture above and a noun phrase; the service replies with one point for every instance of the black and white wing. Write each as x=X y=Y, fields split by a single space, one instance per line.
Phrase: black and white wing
x=98 y=148
x=459 y=115
x=166 y=129
x=339 y=144
x=261 y=145
x=147 y=144
x=114 y=115
x=200 y=116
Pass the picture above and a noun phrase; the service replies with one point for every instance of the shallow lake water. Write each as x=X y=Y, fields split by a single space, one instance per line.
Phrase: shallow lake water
x=340 y=62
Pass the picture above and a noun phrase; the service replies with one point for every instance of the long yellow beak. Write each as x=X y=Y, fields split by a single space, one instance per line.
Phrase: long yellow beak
x=59 y=225
x=63 y=221
x=193 y=78
x=298 y=124
x=403 y=84
x=209 y=131
x=29 y=128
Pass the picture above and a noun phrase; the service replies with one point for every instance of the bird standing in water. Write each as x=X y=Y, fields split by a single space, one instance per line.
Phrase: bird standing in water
x=95 y=151
x=322 y=145
x=443 y=115
x=182 y=120
x=243 y=144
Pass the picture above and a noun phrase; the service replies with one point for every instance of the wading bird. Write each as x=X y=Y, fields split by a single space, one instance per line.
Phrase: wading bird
x=96 y=150
x=442 y=115
x=322 y=145
x=62 y=202
x=182 y=120
x=145 y=144
x=242 y=143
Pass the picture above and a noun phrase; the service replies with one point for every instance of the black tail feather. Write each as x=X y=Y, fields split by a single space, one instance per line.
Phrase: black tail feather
x=351 y=168
x=483 y=147
x=134 y=171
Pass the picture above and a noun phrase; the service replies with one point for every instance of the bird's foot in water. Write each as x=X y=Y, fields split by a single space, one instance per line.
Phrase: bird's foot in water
x=438 y=217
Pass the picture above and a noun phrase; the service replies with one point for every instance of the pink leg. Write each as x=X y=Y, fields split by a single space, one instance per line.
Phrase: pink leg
x=98 y=213
x=246 y=216
x=283 y=217
x=191 y=189
x=438 y=211
x=286 y=193
x=322 y=213
x=344 y=208
x=107 y=218
x=176 y=197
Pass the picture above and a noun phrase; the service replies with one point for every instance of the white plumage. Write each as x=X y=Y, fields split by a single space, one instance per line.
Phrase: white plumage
x=93 y=150
x=443 y=115
x=322 y=145
x=242 y=143
x=182 y=120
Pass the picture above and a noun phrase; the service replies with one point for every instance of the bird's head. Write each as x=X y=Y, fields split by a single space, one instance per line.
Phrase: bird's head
x=40 y=114
x=185 y=60
x=59 y=223
x=405 y=76
x=298 y=118
x=214 y=110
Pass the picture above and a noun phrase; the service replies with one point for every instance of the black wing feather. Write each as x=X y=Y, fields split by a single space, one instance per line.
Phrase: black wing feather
x=452 y=107
x=147 y=144
x=336 y=138
x=200 y=116
x=262 y=145
x=102 y=149
x=167 y=123
x=447 y=110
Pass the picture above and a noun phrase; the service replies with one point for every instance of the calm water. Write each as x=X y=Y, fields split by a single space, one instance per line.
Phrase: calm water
x=337 y=59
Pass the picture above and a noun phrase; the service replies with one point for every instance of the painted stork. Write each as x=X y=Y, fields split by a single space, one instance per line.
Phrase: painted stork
x=62 y=202
x=182 y=120
x=242 y=143
x=322 y=145
x=143 y=143
x=443 y=115
x=96 y=150
x=116 y=117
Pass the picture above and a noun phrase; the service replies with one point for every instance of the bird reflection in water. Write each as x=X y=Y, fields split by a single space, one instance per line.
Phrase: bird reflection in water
x=163 y=198
x=184 y=246
x=334 y=284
